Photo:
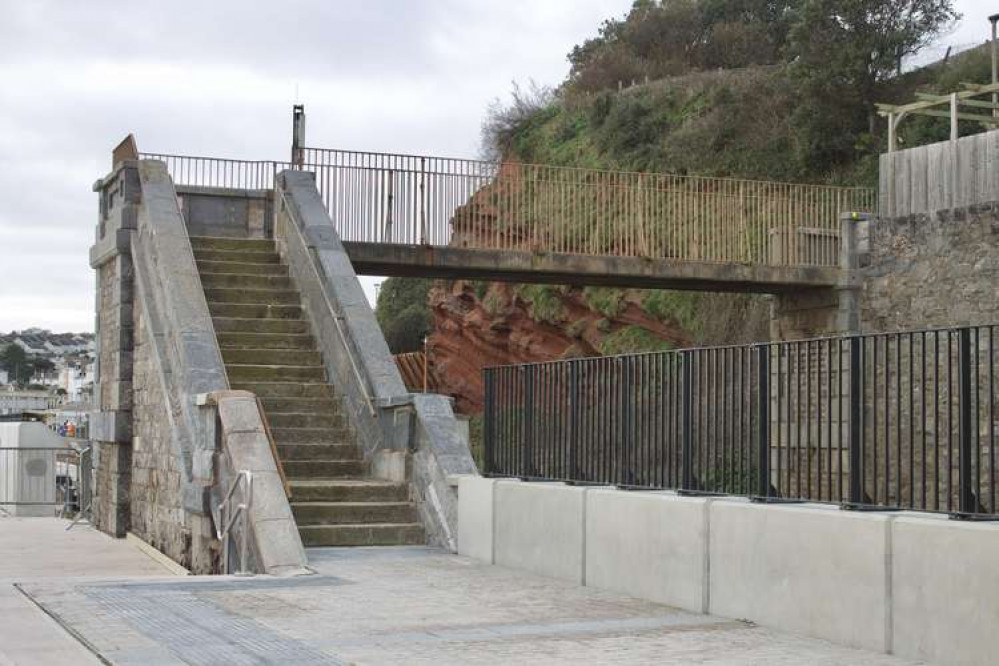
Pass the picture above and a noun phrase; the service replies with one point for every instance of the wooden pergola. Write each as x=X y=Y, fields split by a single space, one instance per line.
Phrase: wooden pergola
x=965 y=105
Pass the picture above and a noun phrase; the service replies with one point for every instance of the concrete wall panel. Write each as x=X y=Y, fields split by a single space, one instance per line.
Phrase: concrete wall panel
x=945 y=586
x=814 y=570
x=539 y=528
x=475 y=518
x=648 y=545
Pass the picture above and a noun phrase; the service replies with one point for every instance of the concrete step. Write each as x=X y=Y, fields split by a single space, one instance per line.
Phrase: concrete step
x=244 y=244
x=302 y=341
x=305 y=435
x=292 y=452
x=324 y=469
x=241 y=268
x=247 y=281
x=348 y=490
x=284 y=390
x=322 y=420
x=279 y=406
x=237 y=326
x=353 y=513
x=299 y=357
x=380 y=534
x=254 y=296
x=237 y=256
x=275 y=373
x=254 y=311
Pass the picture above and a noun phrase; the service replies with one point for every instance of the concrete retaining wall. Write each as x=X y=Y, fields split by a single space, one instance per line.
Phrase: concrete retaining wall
x=919 y=586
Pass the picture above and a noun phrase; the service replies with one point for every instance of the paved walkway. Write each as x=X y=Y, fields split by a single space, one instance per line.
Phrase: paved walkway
x=40 y=550
x=400 y=605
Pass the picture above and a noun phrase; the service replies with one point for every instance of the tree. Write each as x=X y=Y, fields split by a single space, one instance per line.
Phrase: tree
x=40 y=365
x=403 y=313
x=16 y=363
x=660 y=38
x=841 y=50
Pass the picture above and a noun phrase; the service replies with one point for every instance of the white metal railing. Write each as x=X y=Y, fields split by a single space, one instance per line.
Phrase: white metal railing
x=418 y=200
x=228 y=515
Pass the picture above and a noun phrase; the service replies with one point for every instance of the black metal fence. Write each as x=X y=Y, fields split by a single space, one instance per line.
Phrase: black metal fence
x=900 y=420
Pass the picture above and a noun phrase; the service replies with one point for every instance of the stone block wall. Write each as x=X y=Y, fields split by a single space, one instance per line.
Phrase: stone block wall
x=112 y=481
x=930 y=270
x=157 y=515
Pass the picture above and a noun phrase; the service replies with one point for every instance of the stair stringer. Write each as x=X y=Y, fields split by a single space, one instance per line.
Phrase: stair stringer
x=387 y=419
x=188 y=367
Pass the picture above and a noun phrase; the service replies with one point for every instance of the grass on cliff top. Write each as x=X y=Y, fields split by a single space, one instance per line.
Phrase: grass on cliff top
x=633 y=340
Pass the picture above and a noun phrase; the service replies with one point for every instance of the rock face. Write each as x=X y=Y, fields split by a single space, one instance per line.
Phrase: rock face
x=471 y=333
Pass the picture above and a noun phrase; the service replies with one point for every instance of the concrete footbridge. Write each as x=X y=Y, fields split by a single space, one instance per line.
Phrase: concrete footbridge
x=421 y=216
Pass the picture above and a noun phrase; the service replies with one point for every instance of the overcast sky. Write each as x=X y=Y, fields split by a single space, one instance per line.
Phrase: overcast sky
x=219 y=78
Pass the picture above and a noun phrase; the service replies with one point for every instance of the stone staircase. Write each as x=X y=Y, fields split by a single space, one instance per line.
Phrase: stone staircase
x=268 y=349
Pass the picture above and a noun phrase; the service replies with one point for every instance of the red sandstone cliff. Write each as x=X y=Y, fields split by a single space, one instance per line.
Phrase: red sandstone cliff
x=470 y=334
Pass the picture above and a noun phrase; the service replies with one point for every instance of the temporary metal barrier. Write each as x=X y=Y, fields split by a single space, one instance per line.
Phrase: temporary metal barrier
x=386 y=198
x=892 y=421
x=44 y=481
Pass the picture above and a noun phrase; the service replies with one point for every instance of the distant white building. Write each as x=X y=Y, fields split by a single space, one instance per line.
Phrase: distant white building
x=4 y=378
x=76 y=381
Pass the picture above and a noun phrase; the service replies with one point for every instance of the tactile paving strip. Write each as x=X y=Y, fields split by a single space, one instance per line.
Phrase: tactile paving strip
x=198 y=632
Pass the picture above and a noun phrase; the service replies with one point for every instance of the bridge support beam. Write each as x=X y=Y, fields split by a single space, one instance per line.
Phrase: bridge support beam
x=834 y=310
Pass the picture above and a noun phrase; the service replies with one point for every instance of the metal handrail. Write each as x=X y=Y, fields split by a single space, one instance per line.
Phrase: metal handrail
x=224 y=522
x=337 y=316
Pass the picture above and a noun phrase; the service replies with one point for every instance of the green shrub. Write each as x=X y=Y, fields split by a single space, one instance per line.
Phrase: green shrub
x=633 y=340
x=544 y=302
x=607 y=301
x=494 y=304
x=673 y=306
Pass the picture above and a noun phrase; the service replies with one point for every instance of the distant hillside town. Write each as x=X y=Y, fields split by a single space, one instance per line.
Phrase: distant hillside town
x=40 y=369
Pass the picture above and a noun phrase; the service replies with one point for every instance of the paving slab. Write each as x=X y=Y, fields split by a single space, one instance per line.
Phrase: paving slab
x=410 y=605
x=42 y=550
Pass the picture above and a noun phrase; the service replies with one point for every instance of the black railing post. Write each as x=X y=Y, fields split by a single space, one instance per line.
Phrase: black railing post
x=488 y=425
x=573 y=418
x=966 y=500
x=856 y=443
x=528 y=415
x=763 y=408
x=626 y=470
x=687 y=422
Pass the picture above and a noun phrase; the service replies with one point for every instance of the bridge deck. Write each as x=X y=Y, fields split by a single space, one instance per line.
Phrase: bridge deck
x=557 y=268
